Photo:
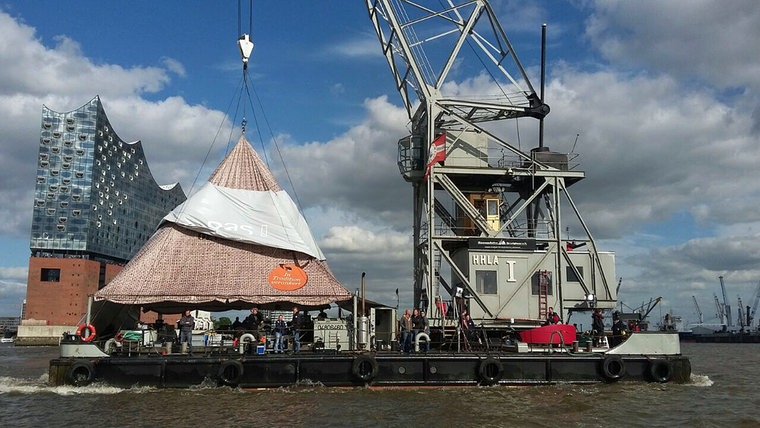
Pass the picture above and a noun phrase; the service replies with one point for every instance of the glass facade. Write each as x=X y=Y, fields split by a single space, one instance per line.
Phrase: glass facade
x=95 y=196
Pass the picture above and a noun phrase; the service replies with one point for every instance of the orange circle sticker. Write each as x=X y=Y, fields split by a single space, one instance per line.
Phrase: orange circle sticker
x=287 y=277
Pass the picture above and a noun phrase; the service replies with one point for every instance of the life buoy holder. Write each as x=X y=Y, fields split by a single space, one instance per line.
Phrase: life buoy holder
x=490 y=371
x=364 y=368
x=90 y=332
x=230 y=372
x=660 y=370
x=613 y=367
x=81 y=373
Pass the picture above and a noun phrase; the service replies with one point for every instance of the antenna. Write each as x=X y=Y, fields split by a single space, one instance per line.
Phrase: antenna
x=543 y=81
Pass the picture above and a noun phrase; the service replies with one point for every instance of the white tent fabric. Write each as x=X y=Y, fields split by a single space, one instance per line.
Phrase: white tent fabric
x=266 y=218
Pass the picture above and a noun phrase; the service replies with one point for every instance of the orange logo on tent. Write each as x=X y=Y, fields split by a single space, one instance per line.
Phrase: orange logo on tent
x=287 y=277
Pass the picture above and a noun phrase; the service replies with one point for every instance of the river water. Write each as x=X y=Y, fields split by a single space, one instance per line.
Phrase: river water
x=723 y=392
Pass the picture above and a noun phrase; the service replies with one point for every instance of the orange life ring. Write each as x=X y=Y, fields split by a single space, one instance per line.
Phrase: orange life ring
x=91 y=332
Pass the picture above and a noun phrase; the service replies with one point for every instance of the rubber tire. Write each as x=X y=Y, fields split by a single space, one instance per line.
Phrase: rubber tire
x=613 y=368
x=364 y=368
x=490 y=371
x=230 y=373
x=660 y=370
x=81 y=373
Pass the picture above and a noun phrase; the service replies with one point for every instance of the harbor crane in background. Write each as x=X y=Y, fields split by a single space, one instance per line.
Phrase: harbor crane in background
x=719 y=312
x=726 y=307
x=699 y=311
x=740 y=315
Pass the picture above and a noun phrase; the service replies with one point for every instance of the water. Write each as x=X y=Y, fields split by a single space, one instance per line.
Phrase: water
x=722 y=392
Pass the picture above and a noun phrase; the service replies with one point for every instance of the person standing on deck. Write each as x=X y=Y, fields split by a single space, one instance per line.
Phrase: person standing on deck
x=406 y=331
x=279 y=331
x=425 y=326
x=416 y=325
x=186 y=326
x=295 y=326
x=597 y=325
x=253 y=321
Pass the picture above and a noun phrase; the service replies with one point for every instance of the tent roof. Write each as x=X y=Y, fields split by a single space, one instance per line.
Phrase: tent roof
x=186 y=267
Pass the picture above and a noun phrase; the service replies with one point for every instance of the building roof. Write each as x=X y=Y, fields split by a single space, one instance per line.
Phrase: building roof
x=217 y=250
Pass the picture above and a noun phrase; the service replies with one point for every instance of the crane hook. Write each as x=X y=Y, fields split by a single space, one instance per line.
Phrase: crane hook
x=246 y=47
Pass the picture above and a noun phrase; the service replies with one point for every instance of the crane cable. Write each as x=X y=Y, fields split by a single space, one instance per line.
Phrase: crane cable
x=246 y=48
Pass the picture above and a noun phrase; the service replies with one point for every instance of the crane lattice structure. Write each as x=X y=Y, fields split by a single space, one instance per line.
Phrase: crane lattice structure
x=473 y=191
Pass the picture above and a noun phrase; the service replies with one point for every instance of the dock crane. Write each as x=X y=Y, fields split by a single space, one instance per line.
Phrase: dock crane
x=740 y=317
x=480 y=200
x=719 y=312
x=726 y=306
x=699 y=311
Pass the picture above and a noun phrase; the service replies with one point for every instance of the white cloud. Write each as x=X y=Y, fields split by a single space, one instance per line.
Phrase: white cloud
x=694 y=39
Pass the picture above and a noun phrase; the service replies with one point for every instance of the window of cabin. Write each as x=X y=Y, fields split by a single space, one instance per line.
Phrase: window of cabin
x=570 y=274
x=485 y=281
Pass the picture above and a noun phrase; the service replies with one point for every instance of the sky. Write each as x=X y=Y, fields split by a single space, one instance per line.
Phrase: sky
x=662 y=95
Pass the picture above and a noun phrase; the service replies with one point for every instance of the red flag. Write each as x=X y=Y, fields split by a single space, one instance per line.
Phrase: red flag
x=437 y=152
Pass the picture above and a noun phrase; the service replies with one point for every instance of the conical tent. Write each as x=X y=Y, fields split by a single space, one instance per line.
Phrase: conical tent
x=238 y=242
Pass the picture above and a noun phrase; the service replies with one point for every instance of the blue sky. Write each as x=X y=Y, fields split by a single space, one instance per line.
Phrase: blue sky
x=664 y=96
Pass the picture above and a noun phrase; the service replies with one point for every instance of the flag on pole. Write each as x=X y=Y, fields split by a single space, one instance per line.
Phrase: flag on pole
x=437 y=152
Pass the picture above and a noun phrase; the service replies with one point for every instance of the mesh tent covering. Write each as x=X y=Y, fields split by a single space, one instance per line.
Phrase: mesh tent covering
x=215 y=251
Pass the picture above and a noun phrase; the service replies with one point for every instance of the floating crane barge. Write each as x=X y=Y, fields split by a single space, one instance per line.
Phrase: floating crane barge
x=488 y=219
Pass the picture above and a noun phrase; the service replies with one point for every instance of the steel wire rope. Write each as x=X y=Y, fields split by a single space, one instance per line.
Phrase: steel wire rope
x=491 y=75
x=419 y=54
x=274 y=142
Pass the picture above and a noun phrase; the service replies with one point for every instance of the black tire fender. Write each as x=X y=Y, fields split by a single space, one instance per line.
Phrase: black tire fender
x=81 y=373
x=230 y=372
x=613 y=367
x=364 y=367
x=490 y=371
x=660 y=370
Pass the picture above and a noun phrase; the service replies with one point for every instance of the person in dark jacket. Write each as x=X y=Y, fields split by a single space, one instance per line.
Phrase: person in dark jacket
x=253 y=321
x=597 y=325
x=295 y=329
x=619 y=330
x=552 y=317
x=279 y=330
x=186 y=326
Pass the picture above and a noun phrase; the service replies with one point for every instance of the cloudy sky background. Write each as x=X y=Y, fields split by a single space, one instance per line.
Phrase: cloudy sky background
x=664 y=96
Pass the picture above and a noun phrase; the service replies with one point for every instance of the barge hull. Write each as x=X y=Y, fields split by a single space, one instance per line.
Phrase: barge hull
x=369 y=369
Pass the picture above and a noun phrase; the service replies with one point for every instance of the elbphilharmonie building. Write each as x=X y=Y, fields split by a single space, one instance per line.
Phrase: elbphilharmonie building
x=95 y=205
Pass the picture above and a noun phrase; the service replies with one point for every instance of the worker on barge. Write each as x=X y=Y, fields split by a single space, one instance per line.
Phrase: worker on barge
x=186 y=326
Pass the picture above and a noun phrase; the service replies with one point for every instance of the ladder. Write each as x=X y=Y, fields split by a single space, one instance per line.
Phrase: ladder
x=544 y=279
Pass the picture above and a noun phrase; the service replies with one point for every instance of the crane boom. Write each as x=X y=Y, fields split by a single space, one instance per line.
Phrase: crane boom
x=719 y=313
x=699 y=312
x=726 y=306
